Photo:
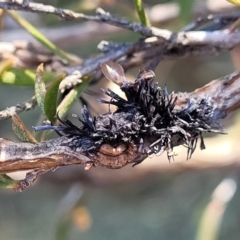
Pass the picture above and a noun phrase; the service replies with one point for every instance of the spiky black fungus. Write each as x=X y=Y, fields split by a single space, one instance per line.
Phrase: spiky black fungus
x=147 y=118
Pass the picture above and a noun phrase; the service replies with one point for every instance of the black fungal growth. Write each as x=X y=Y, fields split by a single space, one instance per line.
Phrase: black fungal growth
x=147 y=118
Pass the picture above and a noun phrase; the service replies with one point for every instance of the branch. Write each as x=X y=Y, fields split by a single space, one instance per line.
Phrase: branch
x=182 y=44
x=221 y=154
x=62 y=151
x=225 y=93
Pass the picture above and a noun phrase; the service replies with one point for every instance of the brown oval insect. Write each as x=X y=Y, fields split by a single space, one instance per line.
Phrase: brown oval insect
x=117 y=161
x=109 y=150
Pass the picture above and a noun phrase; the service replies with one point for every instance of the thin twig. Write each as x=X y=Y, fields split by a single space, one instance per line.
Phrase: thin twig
x=101 y=16
x=105 y=17
x=20 y=107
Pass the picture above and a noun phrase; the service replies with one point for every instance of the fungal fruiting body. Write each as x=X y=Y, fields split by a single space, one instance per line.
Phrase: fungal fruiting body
x=146 y=120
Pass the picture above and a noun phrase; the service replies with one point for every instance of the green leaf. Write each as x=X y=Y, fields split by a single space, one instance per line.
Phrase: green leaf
x=40 y=88
x=41 y=38
x=67 y=102
x=50 y=101
x=141 y=12
x=21 y=131
x=7 y=182
x=23 y=77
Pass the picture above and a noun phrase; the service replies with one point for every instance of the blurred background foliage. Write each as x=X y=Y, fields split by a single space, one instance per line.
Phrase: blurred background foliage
x=145 y=202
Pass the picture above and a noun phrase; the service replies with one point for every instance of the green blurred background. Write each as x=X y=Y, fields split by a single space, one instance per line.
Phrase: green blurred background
x=155 y=200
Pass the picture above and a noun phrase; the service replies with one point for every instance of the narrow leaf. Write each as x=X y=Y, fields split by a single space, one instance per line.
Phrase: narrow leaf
x=235 y=2
x=40 y=88
x=7 y=182
x=71 y=97
x=50 y=101
x=5 y=65
x=21 y=131
x=141 y=12
x=23 y=77
x=40 y=37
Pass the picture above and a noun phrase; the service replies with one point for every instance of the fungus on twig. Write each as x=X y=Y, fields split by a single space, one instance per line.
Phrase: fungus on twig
x=146 y=122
